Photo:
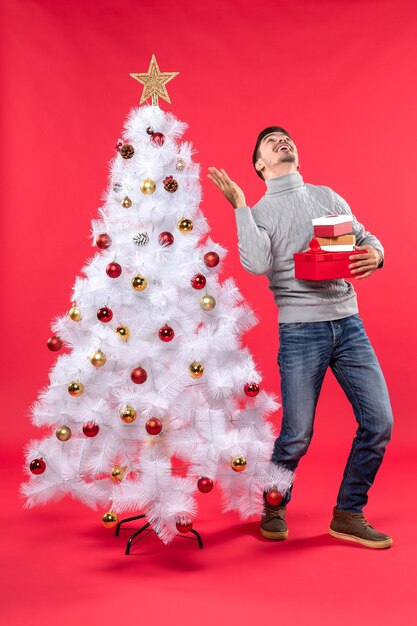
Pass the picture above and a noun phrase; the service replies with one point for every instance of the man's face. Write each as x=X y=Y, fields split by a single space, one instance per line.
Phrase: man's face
x=274 y=149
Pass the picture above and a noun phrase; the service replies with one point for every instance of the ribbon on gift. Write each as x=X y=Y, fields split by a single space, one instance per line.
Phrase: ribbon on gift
x=315 y=247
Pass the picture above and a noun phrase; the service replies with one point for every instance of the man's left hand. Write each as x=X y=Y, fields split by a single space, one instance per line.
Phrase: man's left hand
x=366 y=263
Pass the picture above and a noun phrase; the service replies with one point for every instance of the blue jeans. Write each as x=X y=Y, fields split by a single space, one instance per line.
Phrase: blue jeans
x=306 y=350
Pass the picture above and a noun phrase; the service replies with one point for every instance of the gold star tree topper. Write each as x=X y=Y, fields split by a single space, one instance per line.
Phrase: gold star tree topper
x=154 y=83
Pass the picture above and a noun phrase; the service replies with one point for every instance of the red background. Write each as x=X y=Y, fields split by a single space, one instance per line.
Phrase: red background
x=340 y=76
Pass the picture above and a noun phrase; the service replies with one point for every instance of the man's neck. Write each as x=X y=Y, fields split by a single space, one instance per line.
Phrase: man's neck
x=284 y=183
x=282 y=170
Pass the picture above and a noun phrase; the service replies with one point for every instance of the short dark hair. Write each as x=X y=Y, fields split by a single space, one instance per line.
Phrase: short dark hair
x=262 y=134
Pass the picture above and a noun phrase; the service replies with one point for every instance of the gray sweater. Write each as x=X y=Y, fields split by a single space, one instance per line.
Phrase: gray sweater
x=281 y=224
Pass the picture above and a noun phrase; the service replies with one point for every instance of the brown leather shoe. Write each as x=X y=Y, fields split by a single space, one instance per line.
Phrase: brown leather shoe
x=273 y=524
x=354 y=527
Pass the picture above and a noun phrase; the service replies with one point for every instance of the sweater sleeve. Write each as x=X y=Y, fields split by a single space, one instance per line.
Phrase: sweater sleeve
x=253 y=242
x=363 y=237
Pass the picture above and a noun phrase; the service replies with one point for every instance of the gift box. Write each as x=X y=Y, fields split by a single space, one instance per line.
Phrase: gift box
x=332 y=225
x=338 y=248
x=341 y=240
x=319 y=264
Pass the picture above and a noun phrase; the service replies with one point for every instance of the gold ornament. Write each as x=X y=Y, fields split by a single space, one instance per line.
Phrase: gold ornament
x=154 y=82
x=117 y=474
x=238 y=463
x=98 y=358
x=75 y=313
x=75 y=388
x=110 y=519
x=126 y=202
x=207 y=303
x=128 y=414
x=147 y=186
x=123 y=332
x=196 y=369
x=63 y=433
x=185 y=225
x=180 y=164
x=139 y=283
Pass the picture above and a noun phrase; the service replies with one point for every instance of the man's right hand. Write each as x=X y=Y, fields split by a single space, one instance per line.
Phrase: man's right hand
x=231 y=191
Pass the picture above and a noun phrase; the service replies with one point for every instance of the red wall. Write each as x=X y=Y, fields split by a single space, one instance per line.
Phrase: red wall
x=339 y=75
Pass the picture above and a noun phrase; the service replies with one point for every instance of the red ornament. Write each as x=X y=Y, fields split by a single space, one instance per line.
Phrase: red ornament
x=273 y=497
x=204 y=484
x=113 y=270
x=138 y=375
x=211 y=259
x=158 y=139
x=37 y=466
x=54 y=344
x=166 y=333
x=198 y=281
x=90 y=429
x=119 y=144
x=251 y=389
x=153 y=426
x=166 y=239
x=104 y=314
x=103 y=241
x=184 y=525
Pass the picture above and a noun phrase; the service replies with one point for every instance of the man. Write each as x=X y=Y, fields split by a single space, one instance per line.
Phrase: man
x=319 y=327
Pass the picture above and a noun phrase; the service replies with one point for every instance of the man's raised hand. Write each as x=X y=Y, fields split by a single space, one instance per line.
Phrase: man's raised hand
x=230 y=190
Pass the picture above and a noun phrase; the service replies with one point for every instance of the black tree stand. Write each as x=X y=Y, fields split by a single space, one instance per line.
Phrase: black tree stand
x=138 y=531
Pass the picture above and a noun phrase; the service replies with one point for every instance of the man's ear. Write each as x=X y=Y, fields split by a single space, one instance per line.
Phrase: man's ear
x=259 y=165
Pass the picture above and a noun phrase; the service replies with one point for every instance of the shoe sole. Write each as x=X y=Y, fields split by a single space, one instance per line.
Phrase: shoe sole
x=386 y=543
x=268 y=534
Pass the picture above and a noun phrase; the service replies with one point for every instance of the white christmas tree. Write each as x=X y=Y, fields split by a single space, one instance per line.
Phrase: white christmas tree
x=154 y=398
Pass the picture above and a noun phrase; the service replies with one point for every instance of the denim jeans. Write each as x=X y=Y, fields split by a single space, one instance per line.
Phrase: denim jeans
x=306 y=350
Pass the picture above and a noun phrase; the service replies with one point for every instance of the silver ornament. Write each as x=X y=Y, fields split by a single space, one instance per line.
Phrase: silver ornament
x=141 y=239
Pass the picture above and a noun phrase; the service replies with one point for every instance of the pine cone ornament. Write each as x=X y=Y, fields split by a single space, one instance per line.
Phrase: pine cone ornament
x=127 y=151
x=170 y=184
x=141 y=239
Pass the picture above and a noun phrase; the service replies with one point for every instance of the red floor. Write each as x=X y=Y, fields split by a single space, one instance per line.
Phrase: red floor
x=62 y=567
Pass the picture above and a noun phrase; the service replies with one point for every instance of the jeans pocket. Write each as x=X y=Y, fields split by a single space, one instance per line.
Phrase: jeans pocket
x=290 y=327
